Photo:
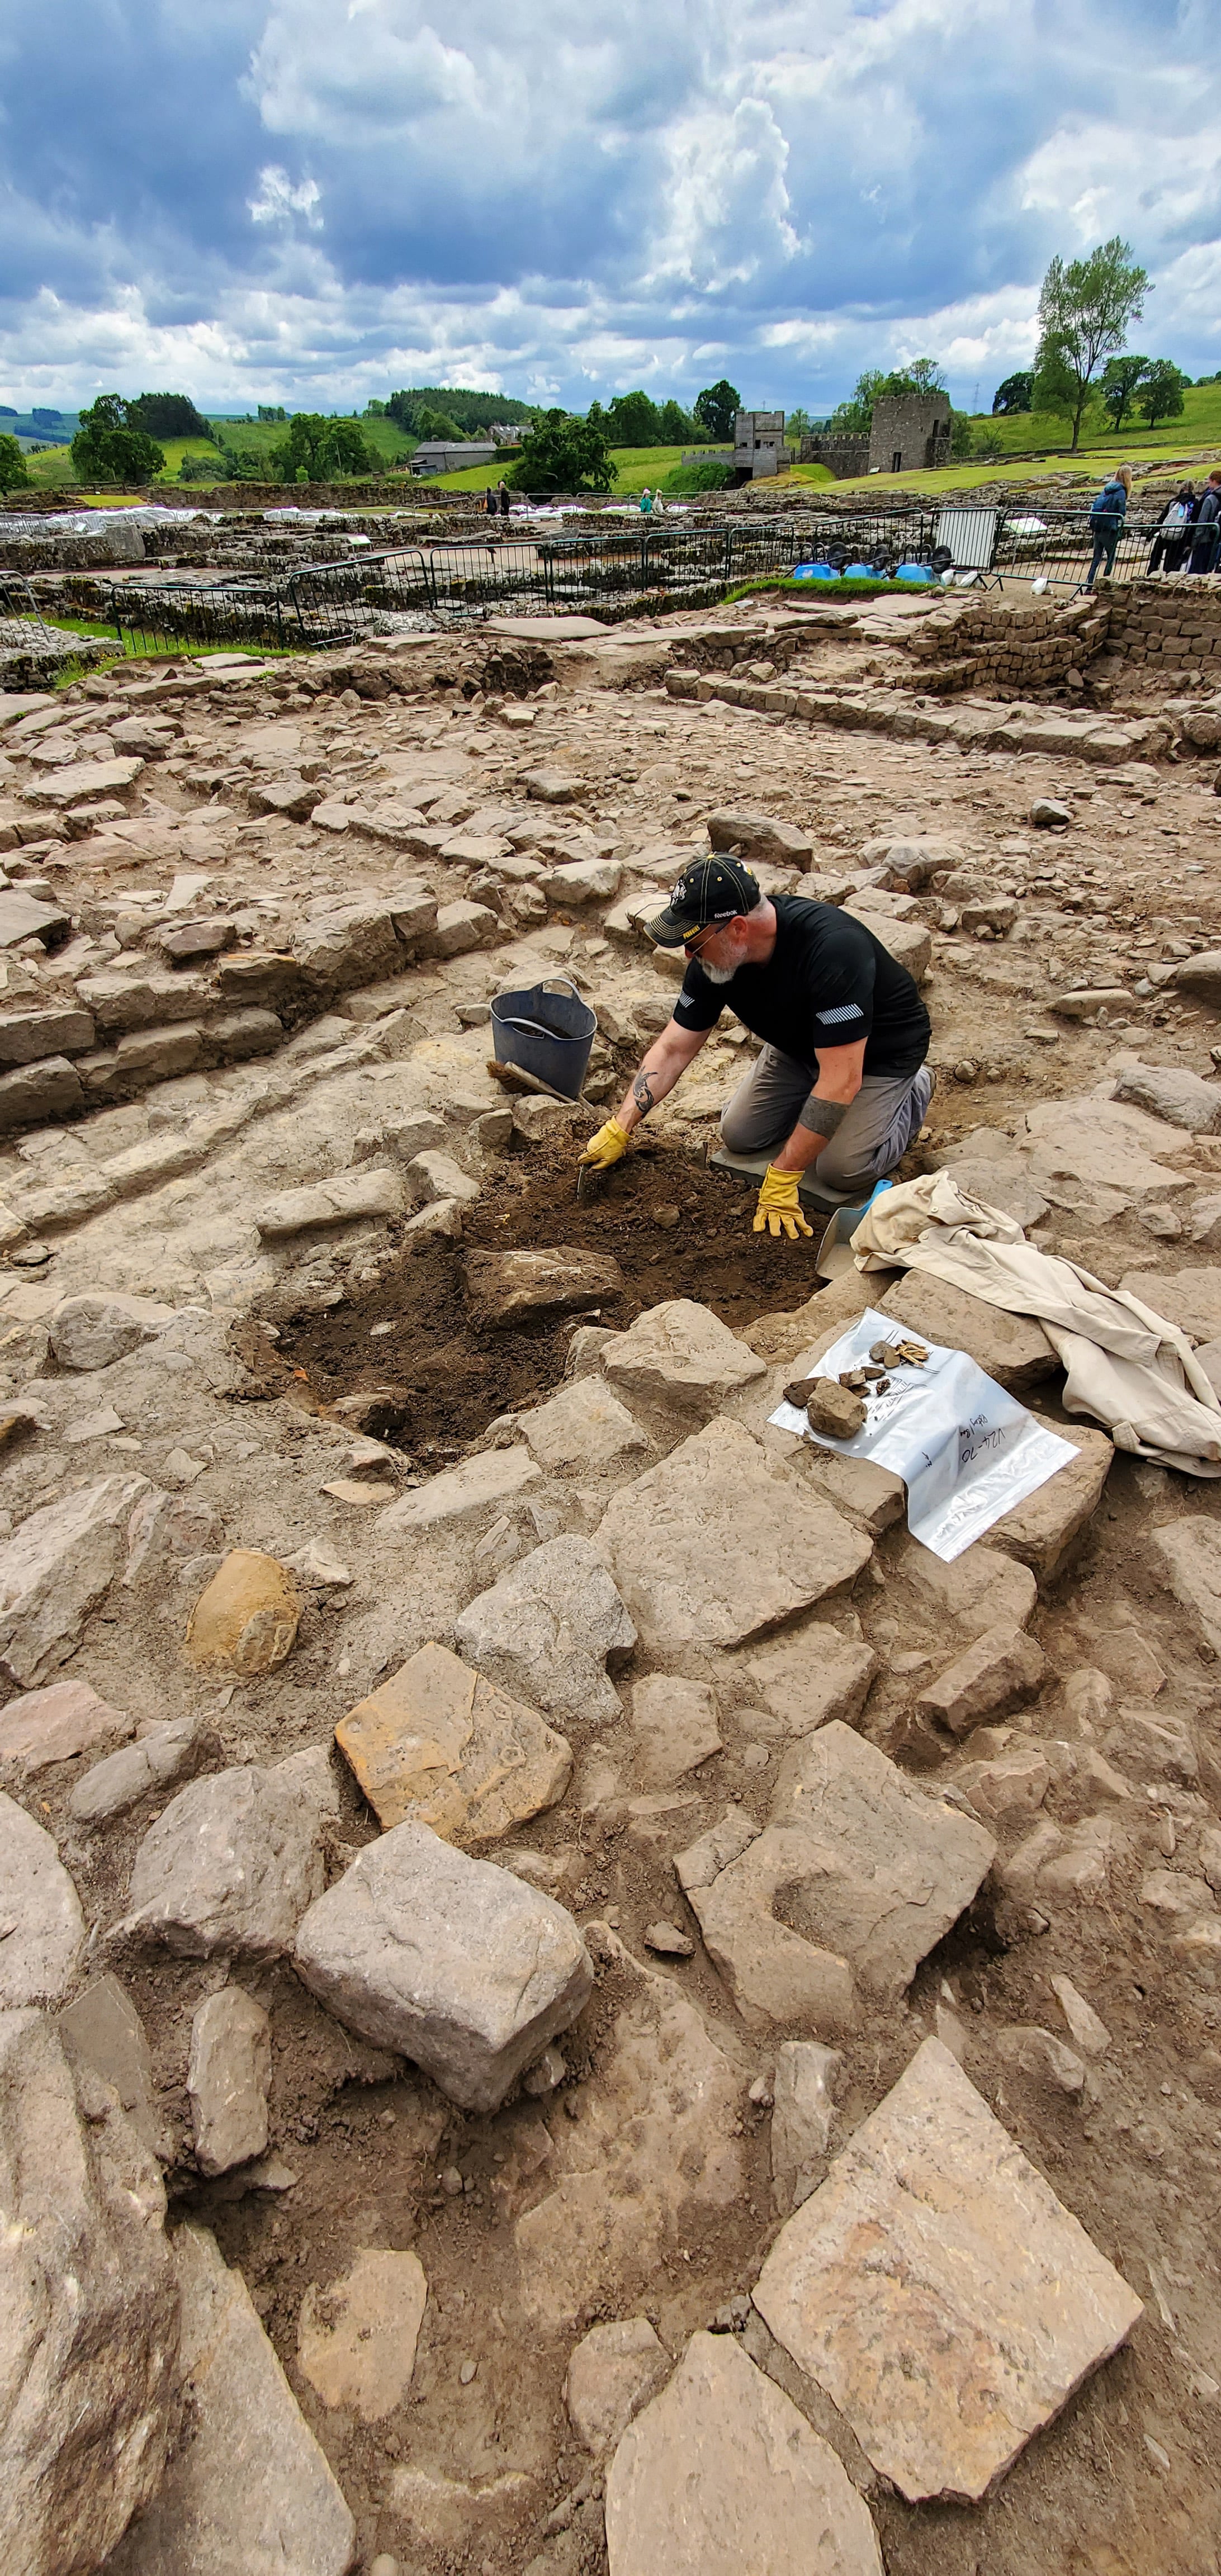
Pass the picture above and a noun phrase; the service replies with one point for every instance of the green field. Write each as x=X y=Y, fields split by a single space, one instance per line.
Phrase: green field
x=634 y=467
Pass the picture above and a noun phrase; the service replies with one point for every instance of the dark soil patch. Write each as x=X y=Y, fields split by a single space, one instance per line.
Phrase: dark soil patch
x=675 y=1228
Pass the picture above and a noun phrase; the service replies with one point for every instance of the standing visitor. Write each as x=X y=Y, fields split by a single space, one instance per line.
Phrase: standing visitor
x=1208 y=526
x=1106 y=521
x=504 y=497
x=1169 y=544
x=646 y=502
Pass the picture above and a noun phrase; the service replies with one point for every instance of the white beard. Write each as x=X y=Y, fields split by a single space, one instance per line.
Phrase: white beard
x=720 y=974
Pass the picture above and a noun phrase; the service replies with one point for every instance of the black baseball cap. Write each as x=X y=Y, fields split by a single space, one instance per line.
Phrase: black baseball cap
x=713 y=889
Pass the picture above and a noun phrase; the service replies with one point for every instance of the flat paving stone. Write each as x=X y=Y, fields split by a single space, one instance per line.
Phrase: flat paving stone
x=938 y=2291
x=680 y=1354
x=443 y=1744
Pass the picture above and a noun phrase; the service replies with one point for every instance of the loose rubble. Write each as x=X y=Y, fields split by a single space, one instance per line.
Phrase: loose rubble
x=570 y=1993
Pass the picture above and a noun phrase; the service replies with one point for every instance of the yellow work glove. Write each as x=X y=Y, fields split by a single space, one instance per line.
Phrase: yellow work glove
x=606 y=1147
x=779 y=1208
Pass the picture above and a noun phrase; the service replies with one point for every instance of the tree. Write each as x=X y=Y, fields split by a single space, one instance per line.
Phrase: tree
x=1160 y=394
x=924 y=376
x=317 y=450
x=1085 y=309
x=169 y=416
x=563 y=454
x=796 y=423
x=717 y=407
x=1016 y=393
x=1117 y=385
x=633 y=420
x=14 y=472
x=273 y=412
x=676 y=425
x=962 y=436
x=854 y=418
x=110 y=447
x=437 y=424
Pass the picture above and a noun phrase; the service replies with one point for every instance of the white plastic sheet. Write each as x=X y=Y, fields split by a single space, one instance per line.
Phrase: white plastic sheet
x=967 y=1452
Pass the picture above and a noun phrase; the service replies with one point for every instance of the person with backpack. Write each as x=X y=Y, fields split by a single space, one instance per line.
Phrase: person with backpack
x=1106 y=521
x=1170 y=542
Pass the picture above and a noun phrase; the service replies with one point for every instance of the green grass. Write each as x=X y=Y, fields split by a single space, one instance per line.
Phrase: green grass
x=634 y=467
x=133 y=649
x=1015 y=435
x=860 y=588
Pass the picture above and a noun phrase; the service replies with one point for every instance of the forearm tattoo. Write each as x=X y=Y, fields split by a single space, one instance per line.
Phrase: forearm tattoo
x=822 y=1117
x=642 y=1094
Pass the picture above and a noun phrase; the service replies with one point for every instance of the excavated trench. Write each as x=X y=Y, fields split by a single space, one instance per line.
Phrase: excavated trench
x=436 y=1375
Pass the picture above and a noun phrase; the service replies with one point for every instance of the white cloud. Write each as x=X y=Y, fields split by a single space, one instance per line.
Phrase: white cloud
x=278 y=201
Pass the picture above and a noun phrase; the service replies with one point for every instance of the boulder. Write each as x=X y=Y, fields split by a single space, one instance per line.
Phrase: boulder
x=1013 y=1349
x=441 y=1744
x=228 y=2079
x=580 y=881
x=552 y=786
x=722 y=2474
x=1200 y=976
x=55 y=1569
x=681 y=1355
x=548 y=1629
x=1009 y=1789
x=356 y=943
x=936 y=2259
x=998 y=1671
x=90 y=2302
x=43 y=1926
x=246 y=1619
x=1174 y=1093
x=611 y=2374
x=248 y=2488
x=356 y=2340
x=446 y=1960
x=57 y=1724
x=512 y=1288
x=459 y=1493
x=709 y=1549
x=431 y=1176
x=462 y=926
x=675 y=1726
x=228 y=1869
x=163 y=1755
x=806 y=2084
x=104 y=2028
x=582 y=1428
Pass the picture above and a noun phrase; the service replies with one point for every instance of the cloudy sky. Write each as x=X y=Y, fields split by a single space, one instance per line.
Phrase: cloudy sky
x=313 y=201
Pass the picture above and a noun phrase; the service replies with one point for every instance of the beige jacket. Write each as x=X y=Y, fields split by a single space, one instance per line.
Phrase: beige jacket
x=1123 y=1363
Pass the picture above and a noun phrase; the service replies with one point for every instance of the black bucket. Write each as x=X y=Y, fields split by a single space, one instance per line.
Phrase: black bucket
x=547 y=1030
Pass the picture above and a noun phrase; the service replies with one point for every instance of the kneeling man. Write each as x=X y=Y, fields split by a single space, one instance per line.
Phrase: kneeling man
x=840 y=1087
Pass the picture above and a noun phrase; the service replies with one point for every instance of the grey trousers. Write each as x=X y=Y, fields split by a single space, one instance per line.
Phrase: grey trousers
x=886 y=1115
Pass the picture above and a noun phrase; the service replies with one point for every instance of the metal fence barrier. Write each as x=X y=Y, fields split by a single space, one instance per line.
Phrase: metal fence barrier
x=458 y=581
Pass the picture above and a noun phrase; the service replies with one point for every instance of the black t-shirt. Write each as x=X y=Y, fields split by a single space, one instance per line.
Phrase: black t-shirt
x=827 y=983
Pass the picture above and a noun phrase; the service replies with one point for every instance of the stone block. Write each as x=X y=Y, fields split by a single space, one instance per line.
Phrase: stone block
x=228 y=1869
x=722 y=2475
x=356 y=943
x=120 y=1003
x=1187 y=1558
x=56 y=1725
x=441 y=1744
x=356 y=2339
x=805 y=2087
x=100 y=1325
x=447 y=1960
x=459 y=1493
x=582 y=1428
x=981 y=1588
x=811 y=1675
x=997 y=1671
x=552 y=786
x=370 y=1190
x=90 y=2304
x=908 y=942
x=675 y=1726
x=710 y=1549
x=1013 y=1349
x=1010 y=1789
x=44 y=1927
x=248 y=2487
x=460 y=927
x=290 y=797
x=549 y=1628
x=760 y=836
x=431 y=1177
x=27 y=1037
x=104 y=2028
x=511 y=1288
x=36 y=1092
x=233 y=1036
x=84 y=779
x=156 y=1055
x=611 y=2374
x=934 y=2257
x=1044 y=1531
x=228 y=2079
x=682 y=1356
x=55 y=1569
x=1174 y=1093
x=29 y=916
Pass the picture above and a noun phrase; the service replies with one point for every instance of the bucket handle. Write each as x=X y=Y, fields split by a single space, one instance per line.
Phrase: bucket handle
x=533 y=1029
x=550 y=982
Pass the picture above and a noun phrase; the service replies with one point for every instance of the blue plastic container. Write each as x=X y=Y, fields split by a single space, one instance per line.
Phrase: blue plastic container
x=915 y=572
x=815 y=572
x=860 y=572
x=548 y=1030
